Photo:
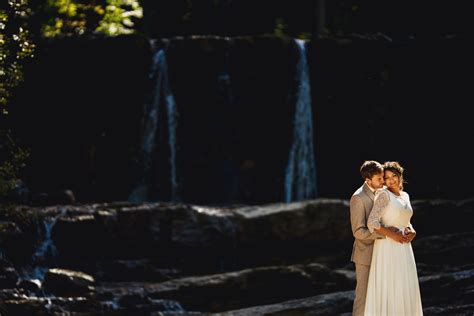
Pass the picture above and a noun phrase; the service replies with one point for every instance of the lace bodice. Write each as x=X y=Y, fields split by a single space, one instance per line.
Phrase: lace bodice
x=390 y=210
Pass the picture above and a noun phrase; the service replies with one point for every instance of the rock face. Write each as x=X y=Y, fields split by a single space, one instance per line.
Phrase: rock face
x=229 y=237
x=52 y=198
x=8 y=276
x=8 y=229
x=68 y=283
x=226 y=89
x=274 y=259
x=233 y=290
x=325 y=304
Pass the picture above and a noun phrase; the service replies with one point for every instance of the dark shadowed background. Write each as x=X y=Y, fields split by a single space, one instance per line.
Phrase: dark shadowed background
x=388 y=81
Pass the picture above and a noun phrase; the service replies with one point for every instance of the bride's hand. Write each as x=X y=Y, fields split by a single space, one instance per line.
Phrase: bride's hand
x=398 y=236
x=409 y=233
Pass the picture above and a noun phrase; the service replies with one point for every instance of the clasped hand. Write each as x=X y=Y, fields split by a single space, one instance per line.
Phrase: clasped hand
x=405 y=236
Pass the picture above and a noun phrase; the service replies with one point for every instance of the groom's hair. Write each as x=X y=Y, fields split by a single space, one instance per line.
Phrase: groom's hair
x=370 y=168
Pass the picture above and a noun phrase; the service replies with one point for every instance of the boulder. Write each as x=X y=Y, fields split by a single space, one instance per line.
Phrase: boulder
x=67 y=283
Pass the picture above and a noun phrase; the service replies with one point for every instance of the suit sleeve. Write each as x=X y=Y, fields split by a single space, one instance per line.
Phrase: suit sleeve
x=359 y=222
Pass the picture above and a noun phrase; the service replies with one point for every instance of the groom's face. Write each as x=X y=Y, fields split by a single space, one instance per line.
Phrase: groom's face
x=377 y=181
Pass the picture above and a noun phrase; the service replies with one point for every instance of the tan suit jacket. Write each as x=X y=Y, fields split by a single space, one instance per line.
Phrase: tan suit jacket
x=360 y=206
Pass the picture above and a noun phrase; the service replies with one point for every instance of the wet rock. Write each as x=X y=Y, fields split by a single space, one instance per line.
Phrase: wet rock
x=447 y=287
x=458 y=309
x=135 y=270
x=163 y=257
x=448 y=249
x=63 y=197
x=319 y=220
x=31 y=286
x=238 y=289
x=153 y=231
x=325 y=304
x=23 y=307
x=8 y=276
x=430 y=217
x=8 y=229
x=68 y=283
x=204 y=239
x=276 y=233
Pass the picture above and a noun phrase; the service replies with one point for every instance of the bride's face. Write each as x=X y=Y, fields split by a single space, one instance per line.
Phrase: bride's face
x=392 y=181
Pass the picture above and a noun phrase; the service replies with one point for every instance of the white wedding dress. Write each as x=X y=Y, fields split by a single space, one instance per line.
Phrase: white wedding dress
x=393 y=288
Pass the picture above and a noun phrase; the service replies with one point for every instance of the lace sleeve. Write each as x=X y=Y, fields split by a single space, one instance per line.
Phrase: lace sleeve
x=380 y=202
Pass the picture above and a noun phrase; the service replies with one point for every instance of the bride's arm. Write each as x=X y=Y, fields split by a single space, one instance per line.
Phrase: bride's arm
x=359 y=221
x=374 y=221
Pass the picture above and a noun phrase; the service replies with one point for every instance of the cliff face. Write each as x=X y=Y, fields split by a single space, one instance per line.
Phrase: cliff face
x=82 y=110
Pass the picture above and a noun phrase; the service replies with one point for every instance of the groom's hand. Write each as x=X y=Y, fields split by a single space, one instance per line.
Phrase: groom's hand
x=394 y=229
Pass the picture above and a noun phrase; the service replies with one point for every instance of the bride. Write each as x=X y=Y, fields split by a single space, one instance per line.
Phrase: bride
x=393 y=287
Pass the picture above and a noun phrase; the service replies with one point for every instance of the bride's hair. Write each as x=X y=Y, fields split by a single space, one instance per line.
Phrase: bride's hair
x=395 y=167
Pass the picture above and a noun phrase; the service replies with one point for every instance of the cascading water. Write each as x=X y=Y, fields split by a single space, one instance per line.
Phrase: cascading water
x=228 y=183
x=223 y=80
x=300 y=176
x=300 y=173
x=162 y=99
x=46 y=253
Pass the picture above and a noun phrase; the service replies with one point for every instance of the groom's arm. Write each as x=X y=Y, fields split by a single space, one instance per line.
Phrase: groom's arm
x=359 y=222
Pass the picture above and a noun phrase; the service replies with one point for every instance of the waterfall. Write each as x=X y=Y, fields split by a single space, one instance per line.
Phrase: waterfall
x=300 y=175
x=161 y=118
x=47 y=245
x=223 y=80
x=162 y=99
x=46 y=252
x=228 y=183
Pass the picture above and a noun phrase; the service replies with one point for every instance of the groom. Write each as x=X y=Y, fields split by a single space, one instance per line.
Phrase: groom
x=360 y=206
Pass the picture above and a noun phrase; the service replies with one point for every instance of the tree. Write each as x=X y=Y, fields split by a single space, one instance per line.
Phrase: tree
x=78 y=17
x=16 y=47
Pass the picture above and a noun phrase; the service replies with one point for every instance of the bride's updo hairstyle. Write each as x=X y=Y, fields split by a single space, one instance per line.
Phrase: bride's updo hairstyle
x=396 y=168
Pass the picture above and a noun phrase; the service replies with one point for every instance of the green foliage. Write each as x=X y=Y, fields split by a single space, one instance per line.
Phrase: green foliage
x=304 y=36
x=75 y=17
x=12 y=160
x=15 y=47
x=280 y=28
